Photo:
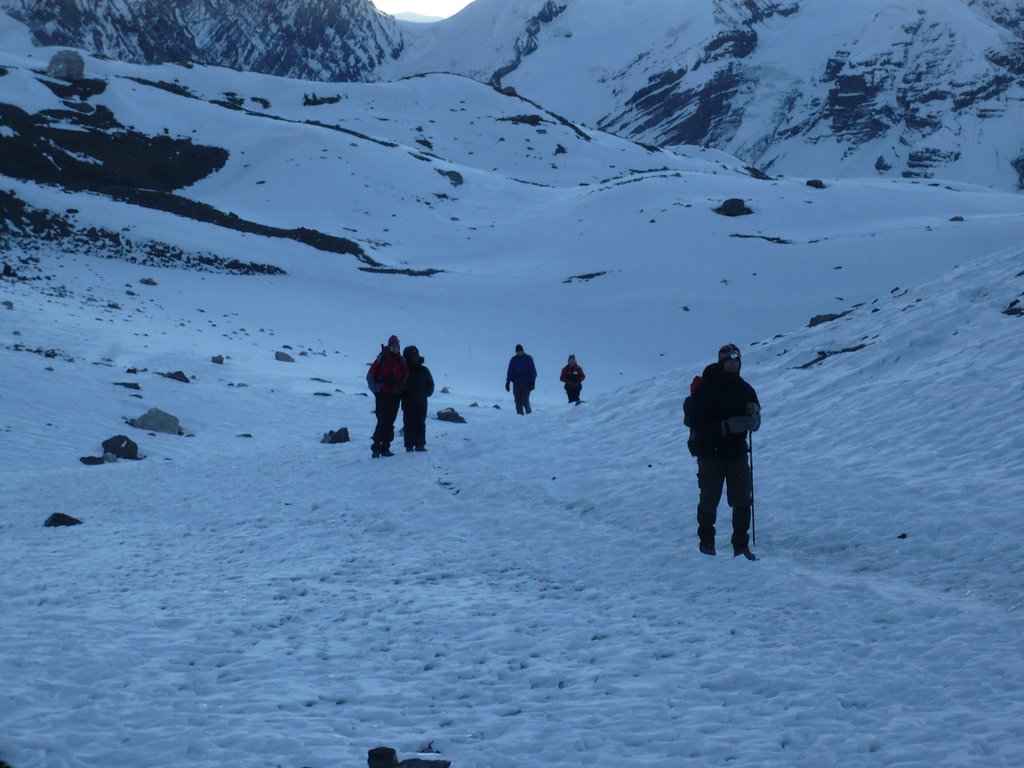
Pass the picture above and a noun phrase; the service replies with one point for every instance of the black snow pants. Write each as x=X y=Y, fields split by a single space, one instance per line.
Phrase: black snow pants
x=733 y=471
x=387 y=412
x=521 y=392
x=414 y=421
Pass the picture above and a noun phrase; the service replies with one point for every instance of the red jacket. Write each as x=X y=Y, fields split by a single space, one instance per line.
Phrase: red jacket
x=387 y=373
x=572 y=373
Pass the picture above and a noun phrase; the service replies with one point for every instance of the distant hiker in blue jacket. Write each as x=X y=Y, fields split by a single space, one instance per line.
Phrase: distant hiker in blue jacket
x=521 y=378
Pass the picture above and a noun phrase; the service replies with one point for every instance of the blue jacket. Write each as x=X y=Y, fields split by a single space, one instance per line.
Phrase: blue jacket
x=521 y=370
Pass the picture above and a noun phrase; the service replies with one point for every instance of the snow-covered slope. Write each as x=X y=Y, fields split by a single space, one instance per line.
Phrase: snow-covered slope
x=529 y=590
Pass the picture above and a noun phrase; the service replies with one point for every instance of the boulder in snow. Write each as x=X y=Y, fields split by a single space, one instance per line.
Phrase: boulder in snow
x=121 y=447
x=67 y=65
x=450 y=414
x=58 y=519
x=336 y=436
x=734 y=206
x=156 y=420
x=386 y=757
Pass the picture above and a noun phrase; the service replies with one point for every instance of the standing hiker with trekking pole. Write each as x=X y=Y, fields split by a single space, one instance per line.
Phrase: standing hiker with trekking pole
x=721 y=409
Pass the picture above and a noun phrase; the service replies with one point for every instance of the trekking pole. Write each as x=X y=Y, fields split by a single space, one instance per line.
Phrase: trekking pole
x=753 y=527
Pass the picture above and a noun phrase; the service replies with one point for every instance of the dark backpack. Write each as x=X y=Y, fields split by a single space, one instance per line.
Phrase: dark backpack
x=691 y=442
x=689 y=399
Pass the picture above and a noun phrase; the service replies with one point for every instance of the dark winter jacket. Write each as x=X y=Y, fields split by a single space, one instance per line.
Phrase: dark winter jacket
x=717 y=398
x=521 y=370
x=387 y=373
x=419 y=385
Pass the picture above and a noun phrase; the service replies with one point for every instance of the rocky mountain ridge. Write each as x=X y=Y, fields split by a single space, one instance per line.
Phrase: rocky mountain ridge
x=882 y=88
x=798 y=87
x=340 y=40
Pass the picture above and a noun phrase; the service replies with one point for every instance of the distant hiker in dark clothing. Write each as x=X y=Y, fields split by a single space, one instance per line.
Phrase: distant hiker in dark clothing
x=573 y=376
x=521 y=376
x=419 y=385
x=386 y=379
x=720 y=410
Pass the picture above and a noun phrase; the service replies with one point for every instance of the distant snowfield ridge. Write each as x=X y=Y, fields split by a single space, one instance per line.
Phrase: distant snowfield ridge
x=404 y=200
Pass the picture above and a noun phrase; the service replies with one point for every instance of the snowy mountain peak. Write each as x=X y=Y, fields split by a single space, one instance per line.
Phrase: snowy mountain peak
x=340 y=40
x=803 y=87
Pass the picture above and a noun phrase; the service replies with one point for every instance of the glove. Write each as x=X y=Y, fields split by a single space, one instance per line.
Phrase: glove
x=753 y=417
x=508 y=386
x=735 y=425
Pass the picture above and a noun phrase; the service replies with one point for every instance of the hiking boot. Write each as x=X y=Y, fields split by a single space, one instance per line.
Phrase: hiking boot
x=408 y=449
x=386 y=452
x=421 y=448
x=707 y=549
x=374 y=454
x=746 y=553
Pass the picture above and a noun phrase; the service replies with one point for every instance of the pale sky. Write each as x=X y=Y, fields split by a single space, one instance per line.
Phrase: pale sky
x=443 y=8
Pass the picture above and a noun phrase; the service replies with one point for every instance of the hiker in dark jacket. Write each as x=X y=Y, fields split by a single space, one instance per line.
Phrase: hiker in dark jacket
x=419 y=385
x=521 y=377
x=386 y=378
x=720 y=411
x=573 y=376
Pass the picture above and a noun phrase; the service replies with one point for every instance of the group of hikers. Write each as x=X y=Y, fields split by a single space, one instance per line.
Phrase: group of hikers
x=521 y=378
x=399 y=380
x=721 y=409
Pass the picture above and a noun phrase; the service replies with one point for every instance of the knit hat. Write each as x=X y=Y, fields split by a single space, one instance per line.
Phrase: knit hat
x=519 y=347
x=393 y=340
x=729 y=352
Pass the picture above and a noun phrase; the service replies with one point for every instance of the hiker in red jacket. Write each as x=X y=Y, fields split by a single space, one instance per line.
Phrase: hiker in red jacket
x=573 y=376
x=386 y=380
